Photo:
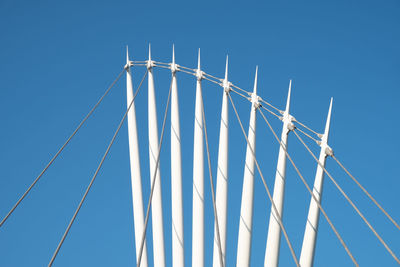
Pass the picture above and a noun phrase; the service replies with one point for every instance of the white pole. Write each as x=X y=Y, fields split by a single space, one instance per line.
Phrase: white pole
x=136 y=180
x=178 y=259
x=310 y=235
x=156 y=207
x=246 y=210
x=198 y=177
x=221 y=194
x=274 y=232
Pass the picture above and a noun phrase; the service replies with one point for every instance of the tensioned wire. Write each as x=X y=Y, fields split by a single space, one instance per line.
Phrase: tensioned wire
x=221 y=259
x=217 y=81
x=153 y=180
x=94 y=176
x=366 y=192
x=310 y=191
x=278 y=216
x=61 y=149
x=348 y=199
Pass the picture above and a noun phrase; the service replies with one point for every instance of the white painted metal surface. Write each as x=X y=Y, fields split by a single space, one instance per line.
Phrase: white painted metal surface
x=310 y=235
x=198 y=177
x=136 y=179
x=178 y=259
x=221 y=193
x=274 y=231
x=156 y=207
x=246 y=211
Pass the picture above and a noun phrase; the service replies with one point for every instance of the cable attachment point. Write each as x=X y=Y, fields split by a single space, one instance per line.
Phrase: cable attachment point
x=328 y=151
x=150 y=64
x=199 y=74
x=128 y=65
x=254 y=99
x=226 y=85
x=174 y=68
x=291 y=126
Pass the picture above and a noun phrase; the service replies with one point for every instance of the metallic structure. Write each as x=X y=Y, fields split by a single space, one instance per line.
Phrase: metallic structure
x=276 y=224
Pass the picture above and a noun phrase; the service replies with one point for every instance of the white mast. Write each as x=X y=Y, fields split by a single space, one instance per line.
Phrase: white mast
x=156 y=207
x=198 y=177
x=222 y=175
x=310 y=235
x=274 y=231
x=178 y=259
x=136 y=180
x=246 y=211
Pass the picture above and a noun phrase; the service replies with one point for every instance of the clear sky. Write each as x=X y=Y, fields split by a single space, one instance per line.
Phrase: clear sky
x=58 y=57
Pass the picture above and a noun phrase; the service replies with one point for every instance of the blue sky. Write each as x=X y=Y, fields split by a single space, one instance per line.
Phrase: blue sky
x=57 y=58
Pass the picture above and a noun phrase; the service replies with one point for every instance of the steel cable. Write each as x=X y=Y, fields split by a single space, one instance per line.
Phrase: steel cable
x=349 y=200
x=94 y=176
x=266 y=187
x=367 y=193
x=311 y=192
x=153 y=180
x=61 y=149
x=221 y=259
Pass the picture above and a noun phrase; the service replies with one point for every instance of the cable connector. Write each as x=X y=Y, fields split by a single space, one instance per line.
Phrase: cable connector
x=174 y=68
x=150 y=64
x=128 y=65
x=328 y=151
x=291 y=126
x=227 y=86
x=199 y=74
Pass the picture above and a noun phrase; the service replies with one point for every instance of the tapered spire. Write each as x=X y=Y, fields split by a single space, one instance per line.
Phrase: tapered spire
x=255 y=82
x=198 y=61
x=288 y=98
x=328 y=121
x=246 y=209
x=149 y=52
x=173 y=54
x=310 y=234
x=127 y=55
x=226 y=69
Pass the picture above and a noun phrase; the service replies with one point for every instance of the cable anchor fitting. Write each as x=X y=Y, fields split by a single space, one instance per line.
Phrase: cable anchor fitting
x=328 y=151
x=199 y=74
x=227 y=86
x=291 y=126
x=150 y=64
x=128 y=65
x=174 y=68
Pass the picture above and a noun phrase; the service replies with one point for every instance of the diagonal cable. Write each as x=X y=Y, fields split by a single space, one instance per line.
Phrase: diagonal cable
x=310 y=191
x=60 y=150
x=349 y=200
x=94 y=177
x=367 y=193
x=153 y=180
x=221 y=259
x=265 y=185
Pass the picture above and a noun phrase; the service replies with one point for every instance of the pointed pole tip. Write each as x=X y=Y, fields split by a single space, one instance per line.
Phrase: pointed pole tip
x=198 y=60
x=255 y=81
x=149 y=51
x=173 y=54
x=226 y=68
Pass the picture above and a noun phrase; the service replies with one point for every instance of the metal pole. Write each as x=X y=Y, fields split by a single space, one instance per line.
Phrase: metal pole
x=246 y=211
x=178 y=259
x=136 y=179
x=274 y=231
x=221 y=194
x=198 y=177
x=310 y=234
x=156 y=208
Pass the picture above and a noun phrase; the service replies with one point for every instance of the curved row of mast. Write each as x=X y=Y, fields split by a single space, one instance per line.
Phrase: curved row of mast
x=246 y=211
